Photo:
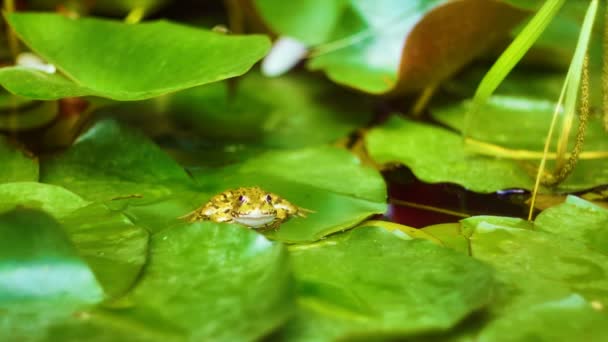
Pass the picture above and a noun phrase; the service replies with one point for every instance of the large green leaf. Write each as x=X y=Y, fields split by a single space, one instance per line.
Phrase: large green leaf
x=568 y=319
x=525 y=131
x=122 y=61
x=203 y=282
x=214 y=282
x=241 y=289
x=115 y=165
x=42 y=278
x=579 y=220
x=314 y=22
x=110 y=161
x=540 y=270
x=16 y=166
x=375 y=46
x=115 y=249
x=52 y=199
x=437 y=155
x=370 y=282
x=217 y=123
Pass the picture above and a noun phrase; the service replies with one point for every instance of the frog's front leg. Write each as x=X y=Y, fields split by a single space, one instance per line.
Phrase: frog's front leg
x=274 y=225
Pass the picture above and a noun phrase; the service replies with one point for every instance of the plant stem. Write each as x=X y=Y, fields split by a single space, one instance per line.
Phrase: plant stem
x=13 y=43
x=605 y=70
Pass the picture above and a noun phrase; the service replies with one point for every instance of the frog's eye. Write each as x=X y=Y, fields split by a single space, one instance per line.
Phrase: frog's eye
x=268 y=198
x=242 y=199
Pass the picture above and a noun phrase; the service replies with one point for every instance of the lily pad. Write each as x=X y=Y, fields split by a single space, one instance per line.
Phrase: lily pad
x=437 y=155
x=16 y=165
x=579 y=220
x=554 y=267
x=570 y=319
x=42 y=278
x=124 y=61
x=123 y=169
x=115 y=248
x=115 y=165
x=371 y=282
x=241 y=287
x=218 y=123
x=110 y=162
x=52 y=199
x=450 y=236
x=376 y=47
x=525 y=131
x=563 y=281
x=209 y=290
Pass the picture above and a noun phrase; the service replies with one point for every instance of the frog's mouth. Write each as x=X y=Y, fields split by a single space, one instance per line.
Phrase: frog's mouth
x=255 y=219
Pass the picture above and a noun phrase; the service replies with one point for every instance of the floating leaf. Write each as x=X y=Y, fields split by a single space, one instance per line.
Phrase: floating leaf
x=16 y=166
x=115 y=165
x=378 y=46
x=110 y=161
x=579 y=220
x=42 y=278
x=554 y=267
x=449 y=234
x=51 y=199
x=437 y=155
x=568 y=319
x=230 y=284
x=224 y=125
x=124 y=61
x=524 y=134
x=370 y=282
x=115 y=249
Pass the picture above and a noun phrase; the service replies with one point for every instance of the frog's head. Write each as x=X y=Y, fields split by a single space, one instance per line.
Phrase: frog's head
x=254 y=207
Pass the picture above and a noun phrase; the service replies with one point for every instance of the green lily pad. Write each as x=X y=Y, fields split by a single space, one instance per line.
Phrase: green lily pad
x=204 y=282
x=215 y=282
x=579 y=220
x=370 y=282
x=554 y=267
x=52 y=199
x=123 y=169
x=115 y=165
x=16 y=166
x=42 y=278
x=526 y=130
x=376 y=47
x=311 y=178
x=450 y=236
x=218 y=123
x=568 y=319
x=437 y=155
x=111 y=162
x=124 y=61
x=115 y=248
x=545 y=278
x=290 y=111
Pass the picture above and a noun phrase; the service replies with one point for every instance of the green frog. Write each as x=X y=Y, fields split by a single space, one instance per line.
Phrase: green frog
x=249 y=206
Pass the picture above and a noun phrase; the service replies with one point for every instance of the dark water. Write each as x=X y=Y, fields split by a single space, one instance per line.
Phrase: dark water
x=404 y=187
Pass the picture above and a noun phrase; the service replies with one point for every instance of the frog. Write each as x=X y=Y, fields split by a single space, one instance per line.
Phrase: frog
x=252 y=207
